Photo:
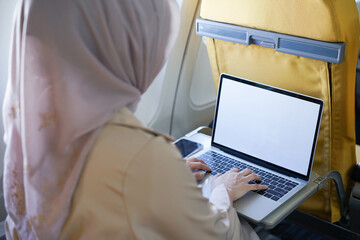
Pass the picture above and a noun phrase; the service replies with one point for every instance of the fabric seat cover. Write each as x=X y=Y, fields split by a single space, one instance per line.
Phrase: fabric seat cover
x=331 y=21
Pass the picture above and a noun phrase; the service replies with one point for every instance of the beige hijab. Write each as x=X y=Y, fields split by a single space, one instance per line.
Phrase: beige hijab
x=74 y=63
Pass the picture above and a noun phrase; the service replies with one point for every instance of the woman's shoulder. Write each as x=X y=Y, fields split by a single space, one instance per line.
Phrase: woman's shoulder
x=125 y=136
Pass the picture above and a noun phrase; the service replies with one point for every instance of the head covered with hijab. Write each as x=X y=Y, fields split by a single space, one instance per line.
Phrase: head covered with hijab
x=74 y=63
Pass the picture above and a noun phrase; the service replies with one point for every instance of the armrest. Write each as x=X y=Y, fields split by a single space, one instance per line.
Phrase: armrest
x=336 y=176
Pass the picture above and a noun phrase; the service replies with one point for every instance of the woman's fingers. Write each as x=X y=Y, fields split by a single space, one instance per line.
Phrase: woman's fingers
x=251 y=177
x=254 y=187
x=195 y=160
x=237 y=182
x=195 y=163
x=234 y=170
x=246 y=172
x=199 y=175
x=198 y=165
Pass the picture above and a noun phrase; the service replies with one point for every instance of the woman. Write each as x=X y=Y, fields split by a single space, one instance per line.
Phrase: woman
x=78 y=164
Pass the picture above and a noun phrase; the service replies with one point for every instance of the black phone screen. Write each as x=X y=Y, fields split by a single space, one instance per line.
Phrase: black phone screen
x=187 y=147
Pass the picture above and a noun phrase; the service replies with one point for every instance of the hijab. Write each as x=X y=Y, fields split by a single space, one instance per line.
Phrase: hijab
x=73 y=64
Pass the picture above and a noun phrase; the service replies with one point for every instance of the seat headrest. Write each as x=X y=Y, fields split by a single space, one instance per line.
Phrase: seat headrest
x=326 y=20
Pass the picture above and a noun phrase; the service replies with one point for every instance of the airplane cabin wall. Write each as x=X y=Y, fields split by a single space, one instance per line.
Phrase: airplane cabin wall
x=182 y=97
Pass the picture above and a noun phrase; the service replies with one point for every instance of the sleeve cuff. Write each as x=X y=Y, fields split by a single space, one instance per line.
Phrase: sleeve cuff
x=220 y=198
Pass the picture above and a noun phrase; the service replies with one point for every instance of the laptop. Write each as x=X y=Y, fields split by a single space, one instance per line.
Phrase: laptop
x=269 y=130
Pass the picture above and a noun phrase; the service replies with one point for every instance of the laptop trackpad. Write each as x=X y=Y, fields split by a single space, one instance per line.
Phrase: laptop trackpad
x=254 y=206
x=251 y=205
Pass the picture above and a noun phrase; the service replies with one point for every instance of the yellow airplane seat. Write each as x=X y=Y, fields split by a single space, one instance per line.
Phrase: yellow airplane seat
x=306 y=46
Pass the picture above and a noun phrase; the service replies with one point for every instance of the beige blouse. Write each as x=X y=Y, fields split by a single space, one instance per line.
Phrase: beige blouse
x=135 y=185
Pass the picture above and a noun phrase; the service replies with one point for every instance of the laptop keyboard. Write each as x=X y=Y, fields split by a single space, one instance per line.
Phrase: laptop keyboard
x=277 y=186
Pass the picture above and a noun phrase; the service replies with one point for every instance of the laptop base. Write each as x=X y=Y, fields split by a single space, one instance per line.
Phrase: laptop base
x=201 y=135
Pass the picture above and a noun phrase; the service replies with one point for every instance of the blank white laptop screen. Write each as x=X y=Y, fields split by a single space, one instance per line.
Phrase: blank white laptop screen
x=267 y=125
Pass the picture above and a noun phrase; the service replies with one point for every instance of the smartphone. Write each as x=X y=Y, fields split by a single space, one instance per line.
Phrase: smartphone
x=187 y=147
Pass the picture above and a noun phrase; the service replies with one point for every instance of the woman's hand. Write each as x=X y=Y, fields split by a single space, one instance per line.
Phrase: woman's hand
x=237 y=183
x=197 y=164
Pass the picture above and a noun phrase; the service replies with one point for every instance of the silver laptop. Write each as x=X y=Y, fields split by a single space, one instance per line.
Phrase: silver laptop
x=269 y=130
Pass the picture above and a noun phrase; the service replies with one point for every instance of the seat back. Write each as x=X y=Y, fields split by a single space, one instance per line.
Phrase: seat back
x=329 y=21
